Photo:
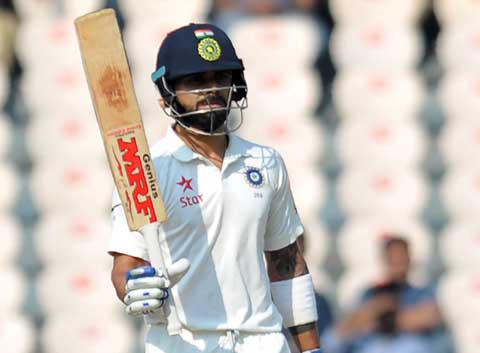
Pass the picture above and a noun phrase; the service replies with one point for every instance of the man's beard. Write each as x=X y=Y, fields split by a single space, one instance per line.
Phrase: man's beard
x=206 y=122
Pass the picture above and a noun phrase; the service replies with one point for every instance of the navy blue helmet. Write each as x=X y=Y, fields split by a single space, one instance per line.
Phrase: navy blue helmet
x=194 y=49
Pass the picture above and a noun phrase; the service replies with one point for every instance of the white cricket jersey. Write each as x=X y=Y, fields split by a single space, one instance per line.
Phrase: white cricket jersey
x=222 y=221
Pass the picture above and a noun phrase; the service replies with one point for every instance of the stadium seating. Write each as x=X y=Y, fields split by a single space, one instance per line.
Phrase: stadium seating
x=12 y=298
x=375 y=45
x=64 y=235
x=298 y=91
x=3 y=85
x=147 y=93
x=285 y=136
x=143 y=39
x=42 y=41
x=459 y=47
x=454 y=137
x=459 y=296
x=259 y=40
x=317 y=241
x=64 y=136
x=11 y=239
x=29 y=9
x=184 y=11
x=362 y=139
x=390 y=94
x=156 y=125
x=17 y=334
x=460 y=192
x=5 y=137
x=460 y=83
x=466 y=337
x=371 y=136
x=382 y=192
x=460 y=244
x=404 y=12
x=10 y=187
x=450 y=12
x=71 y=185
x=65 y=79
x=89 y=332
x=76 y=288
x=308 y=189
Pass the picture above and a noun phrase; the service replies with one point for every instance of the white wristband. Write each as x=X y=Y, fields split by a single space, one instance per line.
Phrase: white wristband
x=295 y=300
x=316 y=350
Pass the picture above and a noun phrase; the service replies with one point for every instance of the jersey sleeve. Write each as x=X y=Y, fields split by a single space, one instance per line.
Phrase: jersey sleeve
x=123 y=240
x=283 y=225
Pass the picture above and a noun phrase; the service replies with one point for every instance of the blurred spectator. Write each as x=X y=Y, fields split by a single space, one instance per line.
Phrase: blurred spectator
x=393 y=317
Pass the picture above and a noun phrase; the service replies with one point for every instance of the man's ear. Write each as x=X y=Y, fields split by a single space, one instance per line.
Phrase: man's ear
x=163 y=103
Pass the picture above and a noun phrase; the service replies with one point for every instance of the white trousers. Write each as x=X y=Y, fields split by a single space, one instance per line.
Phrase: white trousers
x=157 y=340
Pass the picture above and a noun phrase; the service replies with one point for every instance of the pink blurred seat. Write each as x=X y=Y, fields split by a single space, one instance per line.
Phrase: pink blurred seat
x=17 y=334
x=82 y=235
x=64 y=136
x=460 y=190
x=376 y=46
x=460 y=245
x=382 y=192
x=92 y=333
x=377 y=140
x=390 y=94
x=465 y=84
x=77 y=288
x=459 y=47
x=405 y=12
x=70 y=185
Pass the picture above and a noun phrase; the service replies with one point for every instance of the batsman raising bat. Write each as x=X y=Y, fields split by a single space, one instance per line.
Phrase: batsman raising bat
x=229 y=209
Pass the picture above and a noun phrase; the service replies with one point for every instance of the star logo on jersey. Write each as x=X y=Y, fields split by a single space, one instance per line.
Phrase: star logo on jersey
x=186 y=184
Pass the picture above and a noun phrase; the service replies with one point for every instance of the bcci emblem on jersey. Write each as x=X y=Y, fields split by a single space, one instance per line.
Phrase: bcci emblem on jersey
x=254 y=177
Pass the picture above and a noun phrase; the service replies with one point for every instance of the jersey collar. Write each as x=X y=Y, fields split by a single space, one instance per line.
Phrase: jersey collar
x=183 y=153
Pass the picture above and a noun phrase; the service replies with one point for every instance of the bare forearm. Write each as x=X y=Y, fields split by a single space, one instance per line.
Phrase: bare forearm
x=423 y=317
x=305 y=336
x=121 y=265
x=287 y=264
x=119 y=281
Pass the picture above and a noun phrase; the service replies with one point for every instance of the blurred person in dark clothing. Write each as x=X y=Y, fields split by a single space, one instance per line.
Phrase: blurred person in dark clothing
x=394 y=316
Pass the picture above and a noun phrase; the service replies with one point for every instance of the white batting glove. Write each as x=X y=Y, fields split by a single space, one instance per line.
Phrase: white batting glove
x=147 y=287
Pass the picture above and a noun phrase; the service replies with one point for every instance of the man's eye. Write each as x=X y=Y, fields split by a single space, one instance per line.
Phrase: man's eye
x=196 y=80
x=223 y=77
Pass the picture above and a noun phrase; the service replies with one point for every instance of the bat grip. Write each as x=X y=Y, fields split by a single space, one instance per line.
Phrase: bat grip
x=152 y=232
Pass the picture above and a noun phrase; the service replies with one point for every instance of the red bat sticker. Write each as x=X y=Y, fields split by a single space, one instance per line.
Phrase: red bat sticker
x=136 y=177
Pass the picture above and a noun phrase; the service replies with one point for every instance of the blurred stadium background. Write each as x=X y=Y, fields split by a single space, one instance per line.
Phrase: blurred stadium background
x=374 y=105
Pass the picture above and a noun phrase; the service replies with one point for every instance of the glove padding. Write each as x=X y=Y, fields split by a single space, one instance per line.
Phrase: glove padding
x=147 y=287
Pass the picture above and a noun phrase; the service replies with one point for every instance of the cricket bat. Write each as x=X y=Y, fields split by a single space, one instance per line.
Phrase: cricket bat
x=118 y=116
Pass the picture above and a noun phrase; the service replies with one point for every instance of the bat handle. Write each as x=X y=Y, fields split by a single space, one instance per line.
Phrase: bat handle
x=152 y=233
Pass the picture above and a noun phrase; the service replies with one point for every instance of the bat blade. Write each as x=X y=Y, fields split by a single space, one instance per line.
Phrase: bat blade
x=118 y=116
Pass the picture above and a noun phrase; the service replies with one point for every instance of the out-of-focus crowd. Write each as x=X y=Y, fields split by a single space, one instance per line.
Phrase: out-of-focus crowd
x=373 y=111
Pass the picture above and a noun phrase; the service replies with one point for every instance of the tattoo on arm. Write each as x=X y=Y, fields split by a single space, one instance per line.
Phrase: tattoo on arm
x=286 y=263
